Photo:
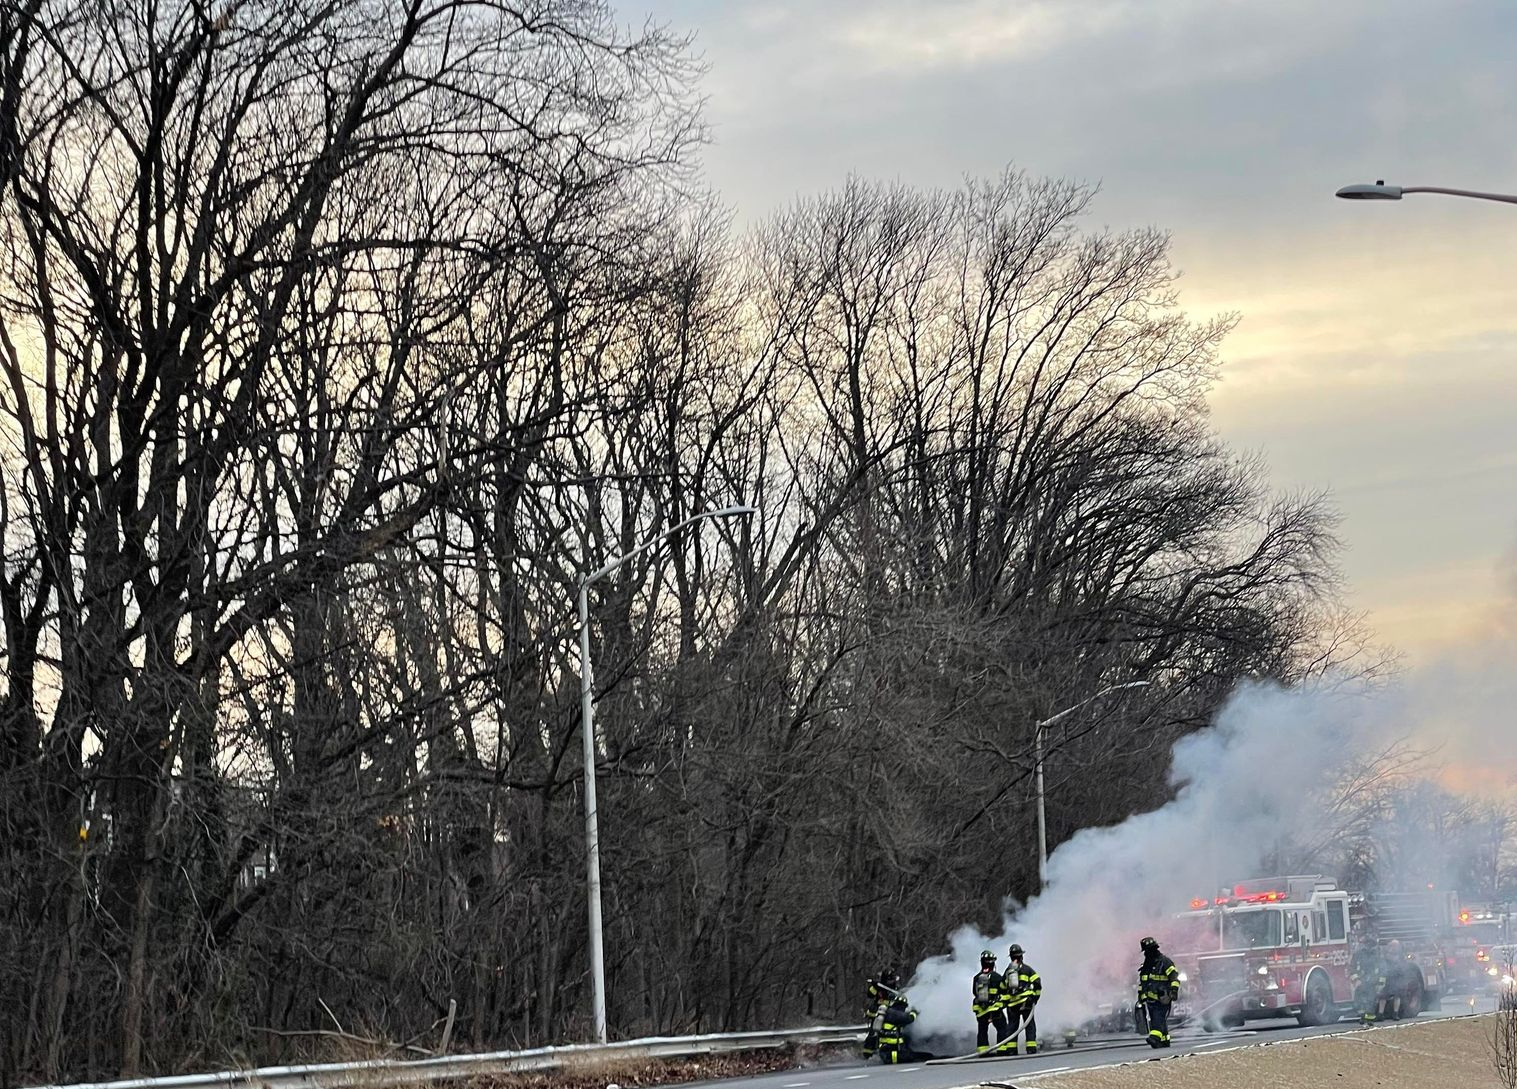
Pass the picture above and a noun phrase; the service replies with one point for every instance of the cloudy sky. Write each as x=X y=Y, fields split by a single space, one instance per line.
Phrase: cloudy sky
x=1377 y=357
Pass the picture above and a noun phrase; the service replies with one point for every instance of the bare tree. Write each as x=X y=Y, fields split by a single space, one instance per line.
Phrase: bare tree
x=358 y=336
x=230 y=333
x=1502 y=1038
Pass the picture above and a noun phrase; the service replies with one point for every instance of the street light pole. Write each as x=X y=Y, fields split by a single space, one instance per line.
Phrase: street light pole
x=1381 y=191
x=1037 y=745
x=1038 y=771
x=587 y=737
x=592 y=826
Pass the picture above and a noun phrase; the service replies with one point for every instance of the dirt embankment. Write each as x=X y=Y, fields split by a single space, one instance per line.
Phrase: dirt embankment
x=1427 y=1055
x=590 y=1073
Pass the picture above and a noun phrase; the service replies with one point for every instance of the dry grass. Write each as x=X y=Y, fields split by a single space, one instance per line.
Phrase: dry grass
x=587 y=1072
x=1429 y=1055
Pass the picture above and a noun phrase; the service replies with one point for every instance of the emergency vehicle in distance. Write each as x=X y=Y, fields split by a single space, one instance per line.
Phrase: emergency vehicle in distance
x=1282 y=947
x=1473 y=947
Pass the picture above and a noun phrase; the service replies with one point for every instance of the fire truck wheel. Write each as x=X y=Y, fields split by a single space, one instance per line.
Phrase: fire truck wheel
x=1316 y=1009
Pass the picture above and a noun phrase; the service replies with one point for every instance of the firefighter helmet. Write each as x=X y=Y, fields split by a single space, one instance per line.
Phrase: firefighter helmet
x=1015 y=951
x=987 y=957
x=1149 y=945
x=890 y=978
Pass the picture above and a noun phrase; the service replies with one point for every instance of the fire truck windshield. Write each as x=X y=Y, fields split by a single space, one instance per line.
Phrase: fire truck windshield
x=1251 y=928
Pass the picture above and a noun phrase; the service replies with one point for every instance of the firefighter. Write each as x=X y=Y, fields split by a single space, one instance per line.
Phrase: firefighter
x=1158 y=987
x=1023 y=989
x=1399 y=978
x=989 y=991
x=892 y=1020
x=1367 y=975
x=1387 y=998
x=871 y=1008
x=877 y=997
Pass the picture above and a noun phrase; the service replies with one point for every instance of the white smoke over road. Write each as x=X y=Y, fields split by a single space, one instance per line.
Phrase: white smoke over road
x=1246 y=789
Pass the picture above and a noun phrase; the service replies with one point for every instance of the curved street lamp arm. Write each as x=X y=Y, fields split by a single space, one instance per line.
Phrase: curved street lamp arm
x=1381 y=191
x=616 y=561
x=1089 y=699
x=1037 y=742
x=1504 y=198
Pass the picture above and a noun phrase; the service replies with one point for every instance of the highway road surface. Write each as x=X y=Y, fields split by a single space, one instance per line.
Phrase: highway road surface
x=1013 y=1071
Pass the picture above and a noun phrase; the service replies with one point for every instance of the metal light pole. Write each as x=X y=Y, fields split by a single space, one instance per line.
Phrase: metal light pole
x=1038 y=771
x=587 y=732
x=1381 y=191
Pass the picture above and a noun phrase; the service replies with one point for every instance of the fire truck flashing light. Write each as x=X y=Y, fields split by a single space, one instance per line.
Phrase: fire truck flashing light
x=1240 y=896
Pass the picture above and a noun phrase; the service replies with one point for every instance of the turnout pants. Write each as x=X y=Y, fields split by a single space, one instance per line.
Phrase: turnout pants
x=1364 y=1002
x=1019 y=1019
x=983 y=1023
x=1158 y=1023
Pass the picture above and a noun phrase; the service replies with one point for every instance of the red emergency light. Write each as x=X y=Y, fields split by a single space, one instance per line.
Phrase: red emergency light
x=1252 y=894
x=1240 y=895
x=1464 y=916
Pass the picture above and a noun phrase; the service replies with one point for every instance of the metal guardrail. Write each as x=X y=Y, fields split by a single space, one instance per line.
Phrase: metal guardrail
x=376 y=1073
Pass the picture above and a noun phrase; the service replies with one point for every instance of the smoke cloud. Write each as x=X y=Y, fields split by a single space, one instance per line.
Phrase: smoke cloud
x=1462 y=704
x=1249 y=792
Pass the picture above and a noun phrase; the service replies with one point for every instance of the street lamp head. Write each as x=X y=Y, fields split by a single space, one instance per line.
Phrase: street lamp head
x=1378 y=191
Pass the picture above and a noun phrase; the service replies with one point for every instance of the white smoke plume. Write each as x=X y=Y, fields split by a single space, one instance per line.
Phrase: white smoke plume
x=1246 y=789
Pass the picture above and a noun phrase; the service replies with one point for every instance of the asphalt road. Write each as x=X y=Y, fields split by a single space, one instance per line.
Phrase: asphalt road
x=1013 y=1070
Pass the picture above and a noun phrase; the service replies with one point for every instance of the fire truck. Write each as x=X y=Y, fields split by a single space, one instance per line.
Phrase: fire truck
x=1473 y=944
x=1282 y=947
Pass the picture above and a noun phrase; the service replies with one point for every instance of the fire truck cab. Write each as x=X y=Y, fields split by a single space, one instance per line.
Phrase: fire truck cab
x=1281 y=947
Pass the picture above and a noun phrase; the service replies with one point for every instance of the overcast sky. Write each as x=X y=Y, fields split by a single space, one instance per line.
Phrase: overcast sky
x=1377 y=357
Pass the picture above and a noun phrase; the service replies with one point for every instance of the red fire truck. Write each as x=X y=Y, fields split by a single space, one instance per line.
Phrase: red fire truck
x=1282 y=946
x=1471 y=944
